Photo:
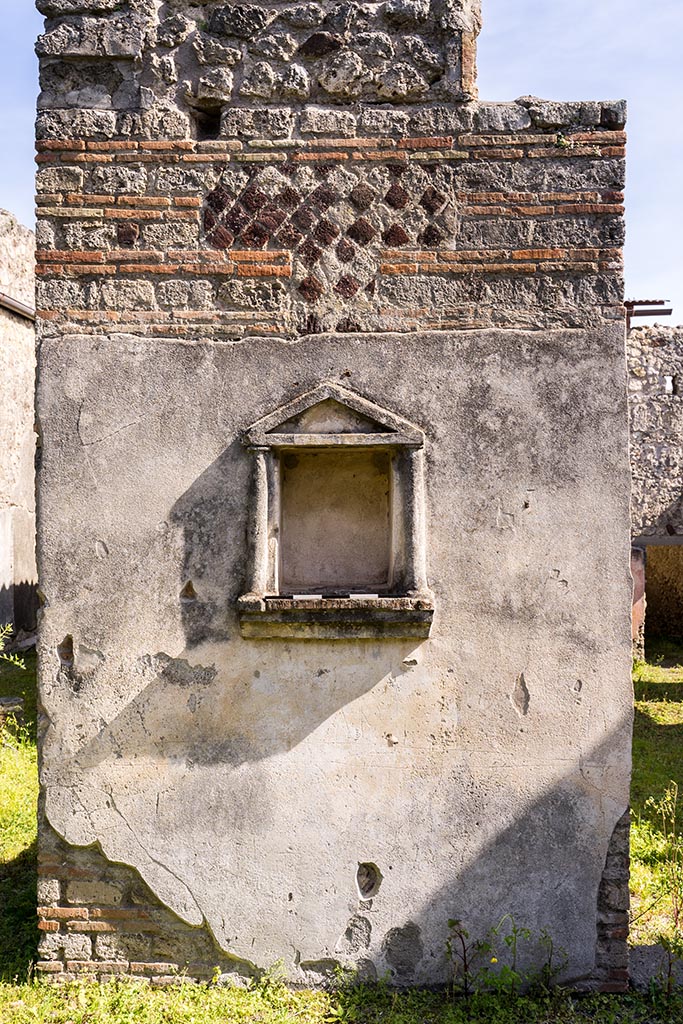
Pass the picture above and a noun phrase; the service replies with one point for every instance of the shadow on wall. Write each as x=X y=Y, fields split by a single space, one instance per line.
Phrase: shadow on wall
x=539 y=865
x=246 y=780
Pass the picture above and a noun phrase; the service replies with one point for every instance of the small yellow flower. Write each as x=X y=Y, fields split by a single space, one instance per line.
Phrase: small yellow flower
x=494 y=959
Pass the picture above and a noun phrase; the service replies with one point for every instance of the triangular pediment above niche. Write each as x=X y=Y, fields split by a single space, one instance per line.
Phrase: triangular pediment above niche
x=329 y=417
x=330 y=411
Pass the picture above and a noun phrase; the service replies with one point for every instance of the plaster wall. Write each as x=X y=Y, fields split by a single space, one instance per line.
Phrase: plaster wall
x=17 y=434
x=246 y=780
x=220 y=234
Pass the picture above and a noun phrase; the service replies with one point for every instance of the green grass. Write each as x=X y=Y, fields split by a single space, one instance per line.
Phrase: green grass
x=658 y=751
x=126 y=1003
x=657 y=761
x=18 y=829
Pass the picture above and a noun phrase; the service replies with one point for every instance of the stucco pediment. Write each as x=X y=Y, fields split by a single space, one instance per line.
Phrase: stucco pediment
x=332 y=415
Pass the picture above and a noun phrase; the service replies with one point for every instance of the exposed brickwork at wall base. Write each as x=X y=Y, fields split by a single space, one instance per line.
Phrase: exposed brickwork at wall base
x=99 y=920
x=612 y=953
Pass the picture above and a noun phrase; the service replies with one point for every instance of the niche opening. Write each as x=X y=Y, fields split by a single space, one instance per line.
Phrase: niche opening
x=208 y=124
x=337 y=522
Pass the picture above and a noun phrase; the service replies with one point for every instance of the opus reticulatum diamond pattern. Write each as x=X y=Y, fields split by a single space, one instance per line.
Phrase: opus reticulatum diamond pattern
x=337 y=221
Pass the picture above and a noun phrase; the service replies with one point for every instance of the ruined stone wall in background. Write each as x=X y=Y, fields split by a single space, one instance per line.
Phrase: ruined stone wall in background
x=17 y=434
x=655 y=363
x=238 y=202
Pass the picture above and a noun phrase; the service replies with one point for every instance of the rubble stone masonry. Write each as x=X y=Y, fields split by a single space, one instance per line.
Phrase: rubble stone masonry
x=655 y=362
x=17 y=434
x=238 y=202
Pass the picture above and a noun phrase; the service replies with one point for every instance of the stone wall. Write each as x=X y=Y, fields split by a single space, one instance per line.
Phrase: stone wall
x=17 y=434
x=655 y=362
x=237 y=204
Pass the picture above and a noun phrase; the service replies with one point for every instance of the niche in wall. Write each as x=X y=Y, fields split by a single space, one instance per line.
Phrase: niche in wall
x=337 y=522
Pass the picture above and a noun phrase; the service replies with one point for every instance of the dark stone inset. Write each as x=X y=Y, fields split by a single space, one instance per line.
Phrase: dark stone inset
x=397 y=197
x=219 y=199
x=347 y=286
x=253 y=199
x=127 y=234
x=209 y=219
x=288 y=238
x=309 y=252
x=323 y=197
x=431 y=236
x=325 y=231
x=362 y=197
x=349 y=326
x=396 y=236
x=371 y=288
x=236 y=219
x=255 y=236
x=303 y=219
x=362 y=231
x=272 y=218
x=346 y=250
x=311 y=324
x=432 y=200
x=221 y=238
x=311 y=289
x=322 y=170
x=321 y=43
x=289 y=198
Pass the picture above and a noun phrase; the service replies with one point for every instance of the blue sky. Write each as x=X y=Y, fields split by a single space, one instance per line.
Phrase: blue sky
x=558 y=49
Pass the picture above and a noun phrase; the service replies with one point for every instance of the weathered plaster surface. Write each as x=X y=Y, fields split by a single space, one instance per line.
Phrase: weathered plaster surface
x=246 y=780
x=17 y=435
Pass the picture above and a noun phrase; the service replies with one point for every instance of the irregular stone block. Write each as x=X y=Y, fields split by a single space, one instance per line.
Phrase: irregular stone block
x=59 y=179
x=98 y=893
x=327 y=121
x=275 y=123
x=94 y=37
x=56 y=945
x=245 y=21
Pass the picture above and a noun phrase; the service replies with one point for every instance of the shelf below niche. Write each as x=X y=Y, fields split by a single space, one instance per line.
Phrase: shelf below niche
x=335 y=618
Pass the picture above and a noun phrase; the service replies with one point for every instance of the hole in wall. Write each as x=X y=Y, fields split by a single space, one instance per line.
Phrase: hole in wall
x=208 y=124
x=368 y=879
x=188 y=593
x=65 y=651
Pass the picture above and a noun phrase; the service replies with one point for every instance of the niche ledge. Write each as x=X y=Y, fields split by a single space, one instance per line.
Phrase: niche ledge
x=335 y=618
